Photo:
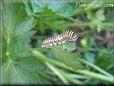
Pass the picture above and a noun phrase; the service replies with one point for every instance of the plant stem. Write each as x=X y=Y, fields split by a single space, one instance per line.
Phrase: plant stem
x=43 y=58
x=70 y=78
x=57 y=72
x=95 y=75
x=95 y=67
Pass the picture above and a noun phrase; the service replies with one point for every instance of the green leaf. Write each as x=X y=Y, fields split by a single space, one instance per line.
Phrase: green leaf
x=10 y=12
x=90 y=57
x=27 y=8
x=87 y=43
x=59 y=7
x=68 y=58
x=63 y=53
x=49 y=19
x=19 y=41
x=14 y=73
x=104 y=55
x=69 y=46
x=30 y=62
x=97 y=18
x=16 y=33
x=18 y=66
x=24 y=27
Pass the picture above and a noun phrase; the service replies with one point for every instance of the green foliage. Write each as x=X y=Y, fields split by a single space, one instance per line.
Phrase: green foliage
x=102 y=57
x=48 y=19
x=50 y=14
x=69 y=59
x=97 y=18
x=20 y=72
x=86 y=46
x=22 y=64
x=18 y=67
x=59 y=7
x=14 y=32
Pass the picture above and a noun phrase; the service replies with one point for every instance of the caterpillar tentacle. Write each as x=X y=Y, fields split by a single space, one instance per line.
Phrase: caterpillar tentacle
x=59 y=39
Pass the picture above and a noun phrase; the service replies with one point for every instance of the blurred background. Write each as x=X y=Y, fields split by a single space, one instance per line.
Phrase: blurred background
x=26 y=23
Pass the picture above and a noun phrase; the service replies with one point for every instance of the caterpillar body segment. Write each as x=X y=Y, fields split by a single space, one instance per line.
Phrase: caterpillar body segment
x=59 y=39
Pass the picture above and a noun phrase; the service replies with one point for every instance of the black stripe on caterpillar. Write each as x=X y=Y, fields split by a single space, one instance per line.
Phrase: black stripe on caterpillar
x=59 y=39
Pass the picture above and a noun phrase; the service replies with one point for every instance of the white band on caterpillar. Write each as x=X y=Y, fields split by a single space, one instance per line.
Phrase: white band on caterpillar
x=59 y=39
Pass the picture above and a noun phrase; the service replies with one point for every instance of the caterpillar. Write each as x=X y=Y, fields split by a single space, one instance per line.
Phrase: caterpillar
x=59 y=39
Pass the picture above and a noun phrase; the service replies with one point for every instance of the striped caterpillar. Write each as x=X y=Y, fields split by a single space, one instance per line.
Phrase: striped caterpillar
x=59 y=39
